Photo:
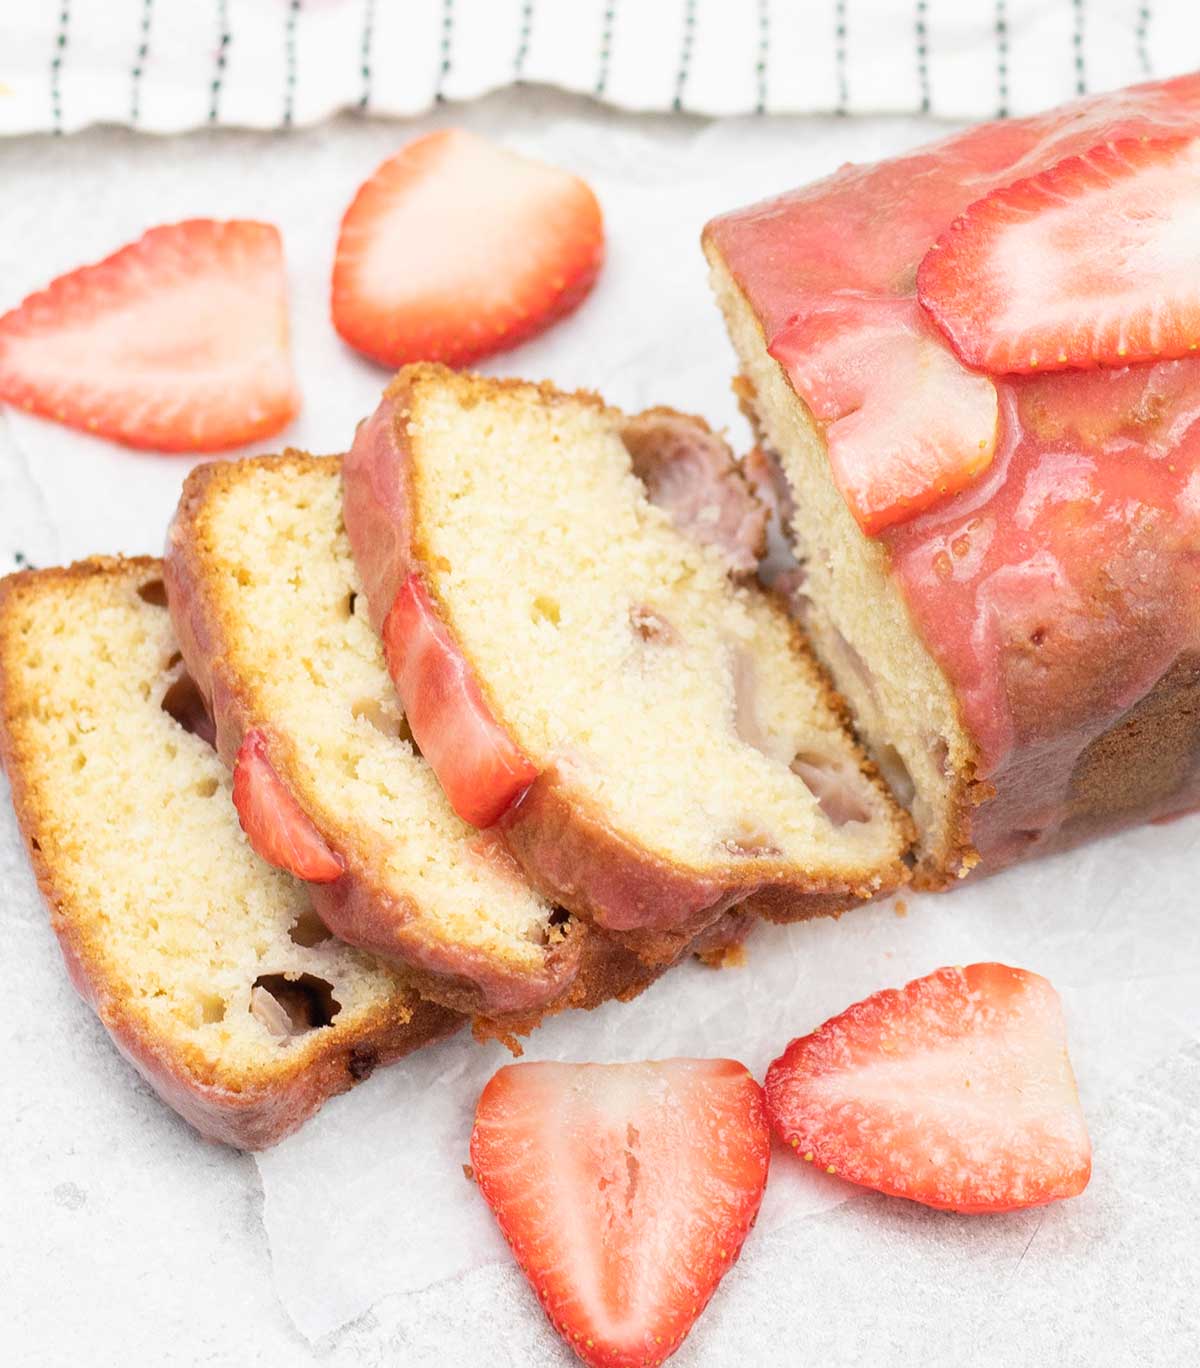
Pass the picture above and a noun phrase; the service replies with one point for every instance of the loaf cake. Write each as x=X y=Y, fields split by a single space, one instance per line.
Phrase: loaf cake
x=997 y=543
x=208 y=968
x=273 y=626
x=649 y=739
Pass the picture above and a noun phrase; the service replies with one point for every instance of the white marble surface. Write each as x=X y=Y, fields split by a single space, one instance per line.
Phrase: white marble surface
x=126 y=1241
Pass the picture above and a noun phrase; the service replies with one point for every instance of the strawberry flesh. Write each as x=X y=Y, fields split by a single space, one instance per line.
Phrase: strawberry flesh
x=625 y=1191
x=280 y=831
x=955 y=1091
x=906 y=425
x=1088 y=263
x=178 y=342
x=481 y=769
x=456 y=248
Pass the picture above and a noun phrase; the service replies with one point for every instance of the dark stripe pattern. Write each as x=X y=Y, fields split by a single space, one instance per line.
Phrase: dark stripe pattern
x=1139 y=16
x=56 y=64
x=445 y=50
x=685 y=54
x=524 y=34
x=139 y=62
x=1001 y=60
x=1143 y=35
x=368 y=37
x=606 y=43
x=224 y=38
x=289 y=58
x=839 y=57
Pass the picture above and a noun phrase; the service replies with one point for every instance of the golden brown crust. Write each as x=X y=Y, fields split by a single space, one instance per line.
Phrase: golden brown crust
x=1145 y=767
x=245 y=1111
x=565 y=844
x=580 y=968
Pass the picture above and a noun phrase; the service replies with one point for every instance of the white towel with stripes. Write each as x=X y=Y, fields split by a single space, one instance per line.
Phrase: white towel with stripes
x=169 y=65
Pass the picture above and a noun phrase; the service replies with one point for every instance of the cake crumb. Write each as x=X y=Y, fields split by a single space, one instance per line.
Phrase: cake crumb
x=725 y=957
x=468 y=1173
x=901 y=908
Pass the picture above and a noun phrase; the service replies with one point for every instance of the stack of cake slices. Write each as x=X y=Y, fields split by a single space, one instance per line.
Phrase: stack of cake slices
x=486 y=720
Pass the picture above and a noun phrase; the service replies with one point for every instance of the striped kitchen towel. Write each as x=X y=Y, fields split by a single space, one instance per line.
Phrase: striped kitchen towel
x=167 y=65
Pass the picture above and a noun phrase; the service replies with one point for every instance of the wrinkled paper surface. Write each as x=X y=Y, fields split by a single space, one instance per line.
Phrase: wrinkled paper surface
x=369 y=1216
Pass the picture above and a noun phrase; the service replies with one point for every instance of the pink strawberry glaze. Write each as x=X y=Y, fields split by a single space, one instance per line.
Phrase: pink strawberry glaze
x=1059 y=587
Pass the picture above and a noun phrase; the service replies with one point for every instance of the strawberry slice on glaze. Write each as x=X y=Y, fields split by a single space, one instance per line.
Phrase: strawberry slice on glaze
x=906 y=424
x=1090 y=263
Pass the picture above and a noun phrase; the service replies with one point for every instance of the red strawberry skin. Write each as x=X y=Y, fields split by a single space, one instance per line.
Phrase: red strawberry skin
x=480 y=767
x=625 y=1191
x=1089 y=263
x=456 y=248
x=906 y=425
x=279 y=829
x=955 y=1091
x=178 y=342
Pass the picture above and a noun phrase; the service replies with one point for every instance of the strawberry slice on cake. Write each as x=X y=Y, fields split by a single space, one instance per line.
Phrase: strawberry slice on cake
x=279 y=829
x=907 y=425
x=1089 y=263
x=178 y=342
x=626 y=1192
x=480 y=767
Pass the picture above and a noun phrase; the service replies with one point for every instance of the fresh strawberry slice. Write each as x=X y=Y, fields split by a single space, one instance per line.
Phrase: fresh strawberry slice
x=955 y=1091
x=456 y=248
x=906 y=424
x=1091 y=263
x=279 y=829
x=625 y=1190
x=178 y=342
x=481 y=769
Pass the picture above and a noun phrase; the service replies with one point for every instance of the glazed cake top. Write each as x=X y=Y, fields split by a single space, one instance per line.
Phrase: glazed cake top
x=1057 y=586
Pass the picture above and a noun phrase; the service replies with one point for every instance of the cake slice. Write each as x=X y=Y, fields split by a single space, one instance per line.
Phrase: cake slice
x=208 y=968
x=996 y=516
x=273 y=626
x=649 y=738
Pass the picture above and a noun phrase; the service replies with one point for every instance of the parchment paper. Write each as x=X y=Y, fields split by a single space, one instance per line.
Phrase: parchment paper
x=381 y=1249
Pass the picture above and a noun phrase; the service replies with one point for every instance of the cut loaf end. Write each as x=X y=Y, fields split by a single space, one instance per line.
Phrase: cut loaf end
x=903 y=707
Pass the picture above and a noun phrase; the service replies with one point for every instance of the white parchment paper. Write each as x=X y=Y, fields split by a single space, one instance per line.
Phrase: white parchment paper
x=1113 y=927
x=380 y=1248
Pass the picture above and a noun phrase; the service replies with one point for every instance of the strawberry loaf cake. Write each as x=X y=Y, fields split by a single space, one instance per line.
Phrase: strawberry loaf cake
x=973 y=377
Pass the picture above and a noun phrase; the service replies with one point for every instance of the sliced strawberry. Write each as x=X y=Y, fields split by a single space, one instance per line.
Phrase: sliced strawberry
x=279 y=829
x=905 y=423
x=457 y=248
x=955 y=1091
x=481 y=769
x=178 y=342
x=625 y=1190
x=1091 y=263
